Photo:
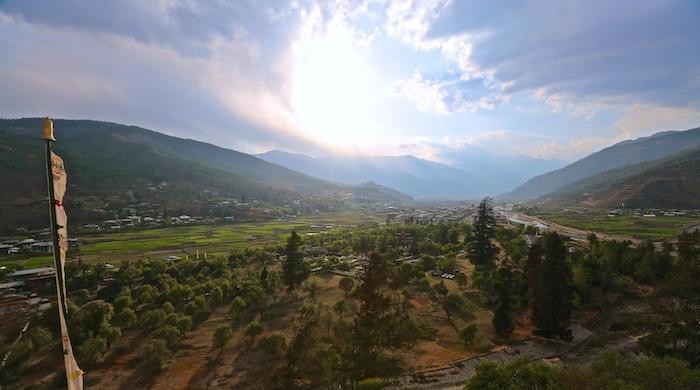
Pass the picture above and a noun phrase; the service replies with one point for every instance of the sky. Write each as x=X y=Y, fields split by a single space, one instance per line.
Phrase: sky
x=432 y=78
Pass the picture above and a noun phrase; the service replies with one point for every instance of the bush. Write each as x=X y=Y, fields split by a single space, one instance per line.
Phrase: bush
x=221 y=336
x=151 y=319
x=40 y=337
x=168 y=333
x=468 y=333
x=253 y=330
x=272 y=344
x=370 y=384
x=92 y=351
x=184 y=324
x=156 y=355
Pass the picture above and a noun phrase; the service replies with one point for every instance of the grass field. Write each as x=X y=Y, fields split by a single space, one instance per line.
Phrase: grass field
x=653 y=228
x=184 y=240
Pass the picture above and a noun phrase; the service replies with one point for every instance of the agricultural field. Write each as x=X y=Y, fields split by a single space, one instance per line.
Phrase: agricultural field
x=632 y=225
x=187 y=240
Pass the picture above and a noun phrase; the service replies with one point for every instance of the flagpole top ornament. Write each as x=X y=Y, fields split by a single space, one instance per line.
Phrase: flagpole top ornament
x=48 y=130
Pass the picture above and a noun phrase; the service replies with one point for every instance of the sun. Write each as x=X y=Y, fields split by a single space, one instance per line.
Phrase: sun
x=334 y=97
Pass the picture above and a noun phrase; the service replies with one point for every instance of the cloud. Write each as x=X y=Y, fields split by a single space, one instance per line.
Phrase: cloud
x=639 y=120
x=575 y=56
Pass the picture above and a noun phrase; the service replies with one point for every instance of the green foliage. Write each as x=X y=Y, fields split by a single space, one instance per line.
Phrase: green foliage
x=519 y=375
x=151 y=319
x=253 y=330
x=156 y=355
x=554 y=301
x=221 y=336
x=39 y=336
x=294 y=270
x=346 y=284
x=468 y=333
x=272 y=344
x=237 y=306
x=124 y=319
x=183 y=324
x=92 y=351
x=123 y=301
x=502 y=315
x=370 y=384
x=169 y=333
x=481 y=250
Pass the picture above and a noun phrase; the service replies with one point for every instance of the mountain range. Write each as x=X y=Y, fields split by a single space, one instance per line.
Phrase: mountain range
x=477 y=173
x=105 y=161
x=670 y=182
x=622 y=154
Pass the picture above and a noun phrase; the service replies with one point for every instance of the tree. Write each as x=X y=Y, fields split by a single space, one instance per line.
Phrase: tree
x=221 y=336
x=502 y=321
x=468 y=333
x=452 y=304
x=151 y=319
x=272 y=344
x=533 y=269
x=183 y=324
x=92 y=350
x=125 y=318
x=123 y=301
x=156 y=354
x=169 y=333
x=482 y=252
x=462 y=280
x=237 y=306
x=294 y=270
x=311 y=286
x=346 y=284
x=518 y=375
x=253 y=330
x=380 y=324
x=556 y=290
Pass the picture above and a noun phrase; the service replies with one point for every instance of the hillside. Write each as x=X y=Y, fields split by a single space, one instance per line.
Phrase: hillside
x=107 y=160
x=671 y=182
x=622 y=154
x=411 y=175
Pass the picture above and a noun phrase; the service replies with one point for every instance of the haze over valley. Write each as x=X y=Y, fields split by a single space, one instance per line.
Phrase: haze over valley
x=349 y=194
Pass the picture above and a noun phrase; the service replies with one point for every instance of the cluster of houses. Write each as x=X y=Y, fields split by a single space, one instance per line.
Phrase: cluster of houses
x=427 y=215
x=31 y=245
x=652 y=212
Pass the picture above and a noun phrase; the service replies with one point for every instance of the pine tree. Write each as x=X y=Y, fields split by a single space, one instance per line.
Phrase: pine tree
x=533 y=269
x=481 y=249
x=294 y=270
x=556 y=290
x=502 y=316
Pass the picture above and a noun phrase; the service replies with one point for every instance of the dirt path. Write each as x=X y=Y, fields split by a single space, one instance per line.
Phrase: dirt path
x=456 y=374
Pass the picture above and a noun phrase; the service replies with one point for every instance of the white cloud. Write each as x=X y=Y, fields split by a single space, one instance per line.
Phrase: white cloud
x=641 y=120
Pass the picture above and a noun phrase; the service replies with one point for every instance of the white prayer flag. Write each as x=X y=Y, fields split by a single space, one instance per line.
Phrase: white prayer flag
x=74 y=374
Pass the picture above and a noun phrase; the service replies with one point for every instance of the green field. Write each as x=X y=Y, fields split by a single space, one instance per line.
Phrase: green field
x=633 y=225
x=186 y=240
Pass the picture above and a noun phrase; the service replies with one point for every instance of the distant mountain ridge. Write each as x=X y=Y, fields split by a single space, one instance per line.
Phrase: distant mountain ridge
x=104 y=160
x=479 y=174
x=622 y=154
x=671 y=182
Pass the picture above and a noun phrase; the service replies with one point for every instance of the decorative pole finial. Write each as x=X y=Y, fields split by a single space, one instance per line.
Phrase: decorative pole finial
x=48 y=130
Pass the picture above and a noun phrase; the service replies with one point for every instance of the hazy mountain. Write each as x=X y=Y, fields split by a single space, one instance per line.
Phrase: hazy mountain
x=104 y=160
x=408 y=174
x=625 y=153
x=671 y=182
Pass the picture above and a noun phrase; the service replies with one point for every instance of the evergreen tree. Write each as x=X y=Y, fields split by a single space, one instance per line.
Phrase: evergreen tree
x=294 y=270
x=533 y=269
x=380 y=324
x=481 y=250
x=502 y=316
x=556 y=290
